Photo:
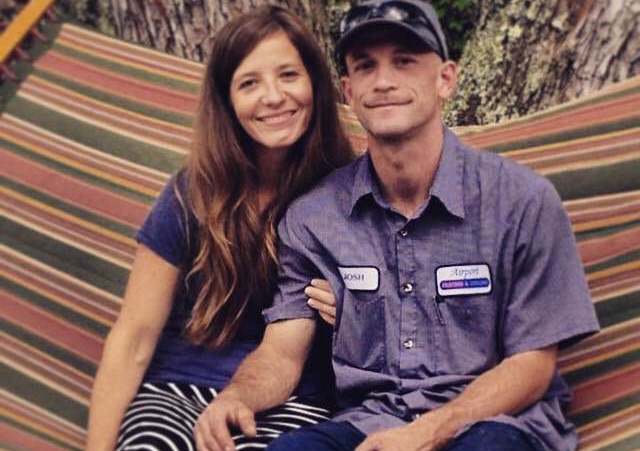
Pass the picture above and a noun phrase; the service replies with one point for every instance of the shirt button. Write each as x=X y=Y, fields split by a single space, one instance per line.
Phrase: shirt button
x=407 y=288
x=408 y=343
x=403 y=233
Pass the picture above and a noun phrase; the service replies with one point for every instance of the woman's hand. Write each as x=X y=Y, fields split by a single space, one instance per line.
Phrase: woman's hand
x=322 y=299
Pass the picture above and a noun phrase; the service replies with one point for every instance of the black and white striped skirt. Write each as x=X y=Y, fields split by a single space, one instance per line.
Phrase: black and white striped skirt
x=162 y=417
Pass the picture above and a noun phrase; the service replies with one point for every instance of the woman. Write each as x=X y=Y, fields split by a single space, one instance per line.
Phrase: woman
x=266 y=131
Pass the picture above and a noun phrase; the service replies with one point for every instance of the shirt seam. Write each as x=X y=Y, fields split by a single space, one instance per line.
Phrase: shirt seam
x=552 y=340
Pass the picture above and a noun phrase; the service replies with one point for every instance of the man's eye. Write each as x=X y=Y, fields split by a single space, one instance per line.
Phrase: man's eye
x=364 y=65
x=404 y=61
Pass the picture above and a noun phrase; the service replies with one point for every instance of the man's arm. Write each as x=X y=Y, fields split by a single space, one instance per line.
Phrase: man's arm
x=513 y=385
x=265 y=379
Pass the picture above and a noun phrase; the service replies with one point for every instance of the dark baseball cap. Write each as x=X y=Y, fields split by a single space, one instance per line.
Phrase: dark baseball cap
x=416 y=17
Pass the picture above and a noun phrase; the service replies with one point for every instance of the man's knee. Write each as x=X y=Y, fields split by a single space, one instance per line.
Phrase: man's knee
x=303 y=438
x=493 y=436
x=286 y=441
x=327 y=436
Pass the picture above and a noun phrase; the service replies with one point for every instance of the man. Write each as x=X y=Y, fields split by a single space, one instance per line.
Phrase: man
x=455 y=272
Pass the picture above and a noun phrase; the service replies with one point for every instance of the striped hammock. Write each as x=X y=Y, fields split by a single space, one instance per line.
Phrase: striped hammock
x=95 y=131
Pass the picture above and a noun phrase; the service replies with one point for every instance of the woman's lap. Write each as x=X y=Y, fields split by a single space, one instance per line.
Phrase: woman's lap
x=162 y=417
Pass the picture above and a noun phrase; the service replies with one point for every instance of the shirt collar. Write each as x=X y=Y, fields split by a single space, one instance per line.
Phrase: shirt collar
x=447 y=184
x=364 y=182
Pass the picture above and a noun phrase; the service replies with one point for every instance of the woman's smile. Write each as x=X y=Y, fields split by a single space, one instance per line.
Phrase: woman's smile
x=278 y=119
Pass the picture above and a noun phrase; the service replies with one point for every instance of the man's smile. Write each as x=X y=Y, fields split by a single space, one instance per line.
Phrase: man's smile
x=386 y=103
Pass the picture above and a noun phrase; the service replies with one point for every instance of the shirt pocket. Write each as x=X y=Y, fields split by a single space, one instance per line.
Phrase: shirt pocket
x=467 y=342
x=359 y=339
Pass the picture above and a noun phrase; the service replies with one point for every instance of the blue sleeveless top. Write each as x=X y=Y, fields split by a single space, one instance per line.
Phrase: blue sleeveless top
x=173 y=236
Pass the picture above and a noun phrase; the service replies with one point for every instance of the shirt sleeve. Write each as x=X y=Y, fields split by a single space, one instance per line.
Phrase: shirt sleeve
x=295 y=271
x=164 y=231
x=549 y=302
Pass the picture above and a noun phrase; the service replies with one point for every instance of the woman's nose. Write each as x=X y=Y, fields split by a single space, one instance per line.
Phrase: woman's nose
x=272 y=94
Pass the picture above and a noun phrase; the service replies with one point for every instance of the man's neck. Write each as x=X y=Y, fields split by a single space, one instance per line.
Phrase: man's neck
x=406 y=168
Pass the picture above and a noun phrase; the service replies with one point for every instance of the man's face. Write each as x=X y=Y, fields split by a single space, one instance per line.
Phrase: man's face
x=394 y=91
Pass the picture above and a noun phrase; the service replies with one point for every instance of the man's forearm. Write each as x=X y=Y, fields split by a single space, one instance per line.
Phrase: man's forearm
x=510 y=387
x=263 y=380
x=268 y=376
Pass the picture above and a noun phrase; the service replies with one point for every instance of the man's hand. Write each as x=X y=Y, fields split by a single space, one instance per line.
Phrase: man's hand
x=405 y=438
x=212 y=429
x=322 y=299
x=506 y=388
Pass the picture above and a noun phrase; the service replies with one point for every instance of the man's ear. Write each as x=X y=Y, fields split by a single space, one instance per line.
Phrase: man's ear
x=448 y=80
x=345 y=83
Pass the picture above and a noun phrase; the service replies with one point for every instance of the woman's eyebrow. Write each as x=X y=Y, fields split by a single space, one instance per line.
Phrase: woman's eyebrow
x=256 y=73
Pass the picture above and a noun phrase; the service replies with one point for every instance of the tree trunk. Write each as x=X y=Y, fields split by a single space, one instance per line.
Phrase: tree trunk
x=528 y=54
x=186 y=27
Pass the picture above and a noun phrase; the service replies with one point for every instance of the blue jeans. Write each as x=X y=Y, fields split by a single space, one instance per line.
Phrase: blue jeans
x=493 y=436
x=332 y=436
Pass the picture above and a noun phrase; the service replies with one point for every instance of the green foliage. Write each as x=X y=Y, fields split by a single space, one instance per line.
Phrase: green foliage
x=458 y=18
x=91 y=13
x=84 y=11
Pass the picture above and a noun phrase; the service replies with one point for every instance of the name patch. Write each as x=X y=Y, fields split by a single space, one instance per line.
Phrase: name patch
x=360 y=278
x=463 y=280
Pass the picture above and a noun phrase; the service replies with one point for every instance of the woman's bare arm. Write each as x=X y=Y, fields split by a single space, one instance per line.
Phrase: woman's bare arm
x=130 y=345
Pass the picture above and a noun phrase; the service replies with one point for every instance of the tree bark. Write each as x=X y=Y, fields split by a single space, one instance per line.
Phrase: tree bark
x=186 y=27
x=526 y=55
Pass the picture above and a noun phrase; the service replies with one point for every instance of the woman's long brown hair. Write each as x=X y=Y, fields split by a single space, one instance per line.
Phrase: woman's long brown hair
x=236 y=257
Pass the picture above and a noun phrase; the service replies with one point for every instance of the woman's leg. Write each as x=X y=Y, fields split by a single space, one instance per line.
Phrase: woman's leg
x=162 y=417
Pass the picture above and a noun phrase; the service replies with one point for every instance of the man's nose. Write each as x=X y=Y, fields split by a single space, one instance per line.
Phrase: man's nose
x=385 y=78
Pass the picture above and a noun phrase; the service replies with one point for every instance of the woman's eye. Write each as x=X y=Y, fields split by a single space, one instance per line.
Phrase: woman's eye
x=289 y=74
x=246 y=84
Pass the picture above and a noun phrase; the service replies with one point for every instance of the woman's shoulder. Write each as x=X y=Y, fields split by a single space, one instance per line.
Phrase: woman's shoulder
x=170 y=225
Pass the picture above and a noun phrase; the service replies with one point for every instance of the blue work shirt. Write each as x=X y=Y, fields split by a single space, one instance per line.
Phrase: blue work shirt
x=487 y=268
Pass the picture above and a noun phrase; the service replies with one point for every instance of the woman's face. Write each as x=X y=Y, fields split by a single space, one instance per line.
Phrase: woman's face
x=271 y=93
